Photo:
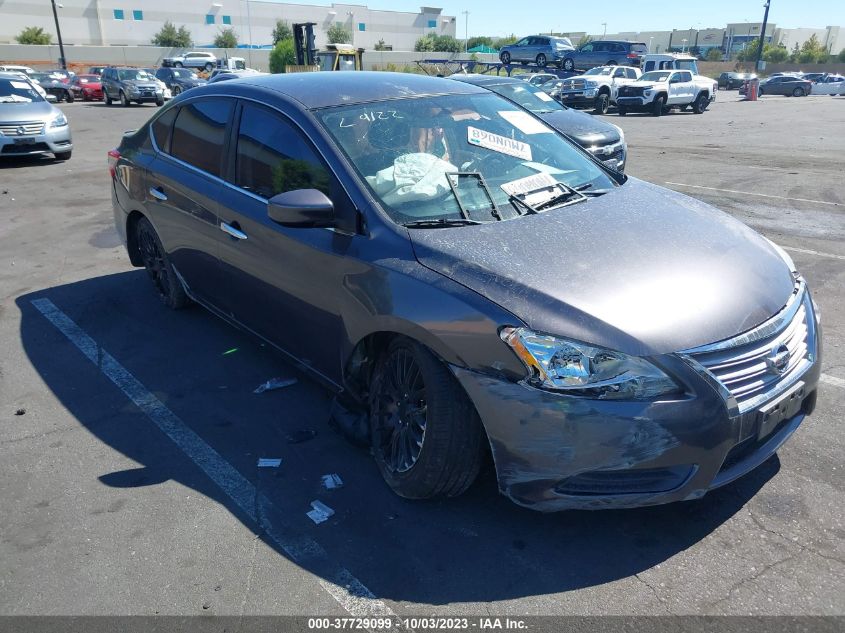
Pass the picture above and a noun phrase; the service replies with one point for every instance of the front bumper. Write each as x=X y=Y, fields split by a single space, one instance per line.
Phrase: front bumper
x=145 y=96
x=633 y=103
x=50 y=141
x=555 y=452
x=579 y=98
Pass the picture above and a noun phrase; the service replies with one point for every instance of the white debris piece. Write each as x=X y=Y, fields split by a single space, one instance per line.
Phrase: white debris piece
x=330 y=482
x=321 y=512
x=275 y=383
x=269 y=462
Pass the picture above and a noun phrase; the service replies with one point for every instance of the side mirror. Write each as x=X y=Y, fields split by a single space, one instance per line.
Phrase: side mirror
x=303 y=208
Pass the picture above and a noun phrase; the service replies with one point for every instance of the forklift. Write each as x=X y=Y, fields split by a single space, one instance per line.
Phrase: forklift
x=334 y=57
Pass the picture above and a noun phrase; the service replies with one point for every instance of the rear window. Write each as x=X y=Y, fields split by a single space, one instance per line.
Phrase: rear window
x=200 y=132
x=639 y=48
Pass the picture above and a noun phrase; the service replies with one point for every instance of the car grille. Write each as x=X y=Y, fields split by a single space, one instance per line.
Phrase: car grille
x=746 y=367
x=25 y=128
x=573 y=84
x=631 y=91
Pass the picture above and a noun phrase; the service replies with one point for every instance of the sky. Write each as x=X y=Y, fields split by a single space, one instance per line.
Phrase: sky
x=499 y=18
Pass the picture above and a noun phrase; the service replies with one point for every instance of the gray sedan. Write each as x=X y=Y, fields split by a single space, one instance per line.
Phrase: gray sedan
x=28 y=123
x=790 y=86
x=484 y=288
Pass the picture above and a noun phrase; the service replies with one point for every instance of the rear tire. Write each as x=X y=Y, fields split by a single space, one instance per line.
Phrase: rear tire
x=158 y=267
x=176 y=90
x=798 y=92
x=427 y=438
x=602 y=103
x=658 y=105
x=611 y=63
x=569 y=64
x=541 y=60
x=505 y=58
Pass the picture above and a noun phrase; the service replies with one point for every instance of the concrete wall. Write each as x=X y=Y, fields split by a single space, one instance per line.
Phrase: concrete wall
x=95 y=22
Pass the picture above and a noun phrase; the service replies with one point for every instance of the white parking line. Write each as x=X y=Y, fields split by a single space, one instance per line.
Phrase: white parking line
x=347 y=590
x=749 y=193
x=809 y=252
x=832 y=380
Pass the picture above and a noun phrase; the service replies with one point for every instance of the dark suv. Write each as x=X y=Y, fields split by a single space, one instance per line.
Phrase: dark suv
x=605 y=53
x=734 y=81
x=129 y=85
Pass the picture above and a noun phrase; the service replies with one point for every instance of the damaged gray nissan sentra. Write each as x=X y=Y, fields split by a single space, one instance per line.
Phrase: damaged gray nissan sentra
x=468 y=281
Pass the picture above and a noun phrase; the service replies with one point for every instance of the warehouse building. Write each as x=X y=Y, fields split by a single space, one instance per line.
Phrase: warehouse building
x=135 y=22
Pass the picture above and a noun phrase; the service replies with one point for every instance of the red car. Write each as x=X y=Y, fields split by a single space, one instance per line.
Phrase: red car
x=87 y=87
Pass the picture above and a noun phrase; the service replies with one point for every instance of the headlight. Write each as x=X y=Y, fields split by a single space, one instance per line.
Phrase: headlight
x=584 y=370
x=59 y=121
x=646 y=93
x=590 y=84
x=621 y=133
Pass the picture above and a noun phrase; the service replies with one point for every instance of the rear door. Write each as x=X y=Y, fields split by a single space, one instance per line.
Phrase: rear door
x=281 y=282
x=183 y=186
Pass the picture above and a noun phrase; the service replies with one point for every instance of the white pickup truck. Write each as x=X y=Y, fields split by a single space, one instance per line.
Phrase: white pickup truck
x=658 y=91
x=597 y=88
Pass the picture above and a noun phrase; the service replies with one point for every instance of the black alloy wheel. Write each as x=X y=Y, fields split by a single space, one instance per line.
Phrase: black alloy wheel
x=158 y=267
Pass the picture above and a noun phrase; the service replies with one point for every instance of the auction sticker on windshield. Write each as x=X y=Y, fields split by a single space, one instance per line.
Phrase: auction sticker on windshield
x=529 y=184
x=542 y=96
x=497 y=143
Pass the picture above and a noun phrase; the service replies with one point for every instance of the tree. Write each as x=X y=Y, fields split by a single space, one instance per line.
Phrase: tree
x=842 y=55
x=505 y=41
x=775 y=54
x=170 y=36
x=381 y=46
x=338 y=35
x=283 y=54
x=749 y=51
x=226 y=39
x=281 y=31
x=425 y=44
x=33 y=35
x=714 y=55
x=812 y=51
x=479 y=40
x=440 y=43
x=586 y=39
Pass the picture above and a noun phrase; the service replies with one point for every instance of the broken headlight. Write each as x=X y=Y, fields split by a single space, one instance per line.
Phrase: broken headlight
x=584 y=370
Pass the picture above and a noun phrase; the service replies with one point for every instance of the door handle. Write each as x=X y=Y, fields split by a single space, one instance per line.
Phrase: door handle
x=158 y=194
x=233 y=231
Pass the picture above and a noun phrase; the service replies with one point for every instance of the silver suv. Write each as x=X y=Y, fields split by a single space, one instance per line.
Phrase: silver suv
x=129 y=85
x=538 y=49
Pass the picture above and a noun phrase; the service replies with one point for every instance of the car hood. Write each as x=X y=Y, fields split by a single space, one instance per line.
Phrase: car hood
x=143 y=84
x=190 y=83
x=14 y=112
x=583 y=127
x=642 y=269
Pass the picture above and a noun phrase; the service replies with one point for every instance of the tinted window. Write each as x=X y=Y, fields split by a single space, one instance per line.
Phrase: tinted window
x=619 y=72
x=273 y=157
x=587 y=48
x=600 y=47
x=199 y=133
x=162 y=129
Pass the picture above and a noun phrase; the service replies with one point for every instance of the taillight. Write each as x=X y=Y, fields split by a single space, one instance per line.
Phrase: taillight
x=114 y=156
x=632 y=56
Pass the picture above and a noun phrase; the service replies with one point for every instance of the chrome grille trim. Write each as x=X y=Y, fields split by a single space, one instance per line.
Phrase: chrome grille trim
x=30 y=128
x=738 y=365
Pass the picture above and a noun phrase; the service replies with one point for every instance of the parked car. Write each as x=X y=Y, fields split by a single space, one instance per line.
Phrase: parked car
x=196 y=59
x=165 y=91
x=659 y=91
x=87 y=87
x=12 y=68
x=830 y=84
x=734 y=81
x=597 y=88
x=605 y=141
x=814 y=77
x=29 y=77
x=53 y=85
x=537 y=79
x=179 y=79
x=224 y=75
x=789 y=85
x=485 y=288
x=605 y=53
x=96 y=70
x=130 y=85
x=536 y=49
x=29 y=125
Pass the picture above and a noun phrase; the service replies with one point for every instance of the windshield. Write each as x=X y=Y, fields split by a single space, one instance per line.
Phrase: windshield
x=183 y=73
x=18 y=91
x=84 y=79
x=454 y=157
x=656 y=75
x=133 y=74
x=528 y=96
x=599 y=71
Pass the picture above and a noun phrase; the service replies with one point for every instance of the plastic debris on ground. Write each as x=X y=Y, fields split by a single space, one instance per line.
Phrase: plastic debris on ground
x=269 y=462
x=320 y=512
x=302 y=435
x=331 y=482
x=275 y=383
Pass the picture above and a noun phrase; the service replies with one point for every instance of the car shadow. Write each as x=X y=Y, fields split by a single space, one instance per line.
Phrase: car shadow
x=479 y=547
x=16 y=162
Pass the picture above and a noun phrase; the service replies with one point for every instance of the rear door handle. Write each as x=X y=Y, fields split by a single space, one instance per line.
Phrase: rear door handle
x=158 y=194
x=233 y=231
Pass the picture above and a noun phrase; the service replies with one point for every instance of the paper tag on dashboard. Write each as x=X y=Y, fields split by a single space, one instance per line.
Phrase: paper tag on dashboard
x=542 y=96
x=524 y=122
x=497 y=143
x=529 y=184
x=20 y=85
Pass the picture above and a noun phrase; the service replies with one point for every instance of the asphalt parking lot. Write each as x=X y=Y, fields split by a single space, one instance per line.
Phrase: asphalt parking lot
x=129 y=434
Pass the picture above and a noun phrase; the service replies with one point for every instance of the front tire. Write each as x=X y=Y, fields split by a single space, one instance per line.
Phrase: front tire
x=68 y=96
x=107 y=98
x=158 y=266
x=176 y=90
x=427 y=438
x=569 y=64
x=541 y=60
x=505 y=58
x=602 y=103
x=124 y=101
x=160 y=102
x=700 y=104
x=658 y=105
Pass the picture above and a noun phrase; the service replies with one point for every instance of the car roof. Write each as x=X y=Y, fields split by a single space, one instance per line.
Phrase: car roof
x=333 y=88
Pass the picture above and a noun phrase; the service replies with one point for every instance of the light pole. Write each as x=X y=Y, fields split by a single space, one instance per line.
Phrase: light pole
x=604 y=33
x=466 y=31
x=649 y=43
x=762 y=36
x=62 y=61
